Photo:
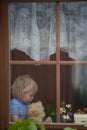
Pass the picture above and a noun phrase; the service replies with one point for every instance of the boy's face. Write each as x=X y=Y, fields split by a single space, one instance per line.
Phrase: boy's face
x=29 y=96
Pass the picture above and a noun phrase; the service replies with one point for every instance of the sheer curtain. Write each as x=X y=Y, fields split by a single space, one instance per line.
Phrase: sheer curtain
x=73 y=29
x=73 y=40
x=32 y=28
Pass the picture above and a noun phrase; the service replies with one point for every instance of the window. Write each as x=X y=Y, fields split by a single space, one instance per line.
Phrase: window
x=58 y=61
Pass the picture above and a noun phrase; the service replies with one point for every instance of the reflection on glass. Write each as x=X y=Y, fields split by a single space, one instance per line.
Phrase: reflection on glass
x=73 y=91
x=32 y=29
x=73 y=30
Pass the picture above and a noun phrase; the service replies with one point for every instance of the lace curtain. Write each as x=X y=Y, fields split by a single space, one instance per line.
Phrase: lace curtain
x=32 y=29
x=73 y=29
x=73 y=40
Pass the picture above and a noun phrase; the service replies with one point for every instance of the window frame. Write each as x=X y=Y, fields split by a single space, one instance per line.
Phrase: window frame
x=4 y=76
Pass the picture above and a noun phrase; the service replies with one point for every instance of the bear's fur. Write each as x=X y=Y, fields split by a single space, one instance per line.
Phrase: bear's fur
x=36 y=111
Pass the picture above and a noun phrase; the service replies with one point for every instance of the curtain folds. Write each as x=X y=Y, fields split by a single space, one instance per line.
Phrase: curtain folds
x=73 y=29
x=33 y=29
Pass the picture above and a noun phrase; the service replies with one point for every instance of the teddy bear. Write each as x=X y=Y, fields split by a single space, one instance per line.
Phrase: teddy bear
x=36 y=111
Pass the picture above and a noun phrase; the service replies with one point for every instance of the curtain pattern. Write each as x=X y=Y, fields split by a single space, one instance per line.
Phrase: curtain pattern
x=32 y=29
x=73 y=29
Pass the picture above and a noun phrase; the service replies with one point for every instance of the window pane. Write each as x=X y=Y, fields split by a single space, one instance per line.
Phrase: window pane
x=32 y=29
x=73 y=30
x=73 y=89
x=45 y=77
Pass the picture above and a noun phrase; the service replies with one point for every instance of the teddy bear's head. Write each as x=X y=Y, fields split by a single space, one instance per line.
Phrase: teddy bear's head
x=36 y=111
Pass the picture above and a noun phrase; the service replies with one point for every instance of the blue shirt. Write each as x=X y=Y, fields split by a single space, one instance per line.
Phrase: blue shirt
x=18 y=108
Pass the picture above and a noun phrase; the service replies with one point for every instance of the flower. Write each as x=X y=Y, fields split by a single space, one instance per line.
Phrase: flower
x=66 y=113
x=62 y=110
x=68 y=105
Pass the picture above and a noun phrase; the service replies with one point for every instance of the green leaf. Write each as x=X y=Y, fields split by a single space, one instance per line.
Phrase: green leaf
x=53 y=113
x=26 y=124
x=31 y=127
x=41 y=126
x=69 y=128
x=14 y=126
x=22 y=128
x=50 y=110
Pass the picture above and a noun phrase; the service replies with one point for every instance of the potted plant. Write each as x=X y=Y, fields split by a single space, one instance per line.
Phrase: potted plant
x=66 y=113
x=26 y=124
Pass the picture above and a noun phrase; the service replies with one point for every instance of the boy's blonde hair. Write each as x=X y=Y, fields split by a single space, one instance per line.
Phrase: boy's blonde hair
x=22 y=85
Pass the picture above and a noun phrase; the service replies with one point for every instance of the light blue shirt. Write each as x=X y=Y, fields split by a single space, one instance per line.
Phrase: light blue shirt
x=18 y=108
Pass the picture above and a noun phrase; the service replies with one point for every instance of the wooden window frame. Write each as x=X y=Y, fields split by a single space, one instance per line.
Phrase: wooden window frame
x=4 y=69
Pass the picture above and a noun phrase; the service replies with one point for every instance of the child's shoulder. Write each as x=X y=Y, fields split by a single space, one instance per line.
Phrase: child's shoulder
x=14 y=100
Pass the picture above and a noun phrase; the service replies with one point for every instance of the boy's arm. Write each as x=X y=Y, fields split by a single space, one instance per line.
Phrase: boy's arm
x=14 y=113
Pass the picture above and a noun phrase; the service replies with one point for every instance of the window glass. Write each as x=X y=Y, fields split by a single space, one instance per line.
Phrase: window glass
x=73 y=30
x=32 y=29
x=73 y=91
